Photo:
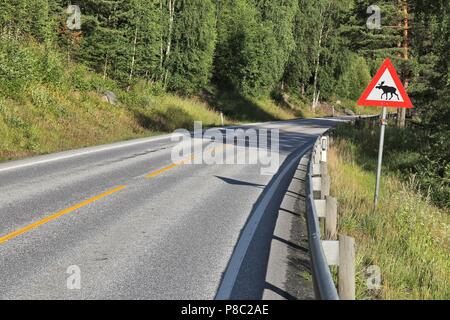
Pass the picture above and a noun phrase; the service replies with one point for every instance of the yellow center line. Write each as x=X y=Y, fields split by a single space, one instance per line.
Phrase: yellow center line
x=157 y=172
x=58 y=214
x=91 y=200
x=173 y=165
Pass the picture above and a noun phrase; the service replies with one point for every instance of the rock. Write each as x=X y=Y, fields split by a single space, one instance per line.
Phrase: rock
x=349 y=112
x=110 y=97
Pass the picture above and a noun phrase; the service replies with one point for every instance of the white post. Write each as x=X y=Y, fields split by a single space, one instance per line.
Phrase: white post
x=324 y=147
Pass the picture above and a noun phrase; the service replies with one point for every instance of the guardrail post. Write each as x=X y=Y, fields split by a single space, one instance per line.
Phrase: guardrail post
x=346 y=268
x=331 y=218
x=324 y=148
x=317 y=154
x=324 y=186
x=323 y=168
x=340 y=252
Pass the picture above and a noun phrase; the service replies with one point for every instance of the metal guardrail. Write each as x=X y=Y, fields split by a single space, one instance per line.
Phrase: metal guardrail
x=324 y=286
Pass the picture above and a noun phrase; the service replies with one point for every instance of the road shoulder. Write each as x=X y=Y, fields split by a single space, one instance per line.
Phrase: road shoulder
x=288 y=271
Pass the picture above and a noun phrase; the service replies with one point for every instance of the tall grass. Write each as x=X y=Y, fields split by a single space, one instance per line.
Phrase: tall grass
x=419 y=151
x=407 y=237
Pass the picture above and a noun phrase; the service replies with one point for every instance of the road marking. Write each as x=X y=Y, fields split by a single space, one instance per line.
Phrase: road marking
x=58 y=214
x=173 y=165
x=157 y=172
x=238 y=255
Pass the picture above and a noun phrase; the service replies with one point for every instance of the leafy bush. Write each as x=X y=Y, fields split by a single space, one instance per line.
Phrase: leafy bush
x=354 y=78
x=19 y=65
x=246 y=58
x=52 y=67
x=41 y=98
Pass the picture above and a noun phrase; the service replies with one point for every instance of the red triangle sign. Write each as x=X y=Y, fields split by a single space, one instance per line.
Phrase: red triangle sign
x=385 y=89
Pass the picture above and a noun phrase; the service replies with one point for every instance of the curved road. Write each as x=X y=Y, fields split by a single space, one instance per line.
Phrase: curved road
x=136 y=225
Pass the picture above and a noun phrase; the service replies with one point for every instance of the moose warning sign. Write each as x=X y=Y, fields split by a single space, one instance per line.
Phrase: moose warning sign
x=385 y=89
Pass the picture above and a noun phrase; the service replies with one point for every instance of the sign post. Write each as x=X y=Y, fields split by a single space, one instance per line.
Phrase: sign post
x=380 y=154
x=385 y=90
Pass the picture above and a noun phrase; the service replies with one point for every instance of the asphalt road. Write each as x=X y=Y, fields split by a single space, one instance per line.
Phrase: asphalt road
x=136 y=225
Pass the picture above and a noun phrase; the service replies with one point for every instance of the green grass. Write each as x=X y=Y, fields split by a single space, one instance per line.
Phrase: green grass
x=49 y=120
x=419 y=152
x=46 y=118
x=49 y=105
x=238 y=108
x=407 y=237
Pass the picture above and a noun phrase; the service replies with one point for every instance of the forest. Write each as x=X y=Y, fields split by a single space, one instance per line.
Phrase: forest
x=222 y=55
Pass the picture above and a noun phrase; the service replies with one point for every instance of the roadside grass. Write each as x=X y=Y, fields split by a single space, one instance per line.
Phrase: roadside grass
x=49 y=105
x=241 y=109
x=407 y=237
x=49 y=120
x=410 y=152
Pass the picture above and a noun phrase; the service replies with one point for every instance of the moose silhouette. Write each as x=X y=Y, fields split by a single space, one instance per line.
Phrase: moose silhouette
x=387 y=90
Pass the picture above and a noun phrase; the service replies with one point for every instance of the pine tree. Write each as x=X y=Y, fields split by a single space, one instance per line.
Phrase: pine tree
x=143 y=35
x=104 y=42
x=376 y=44
x=190 y=45
x=27 y=18
x=390 y=41
x=431 y=45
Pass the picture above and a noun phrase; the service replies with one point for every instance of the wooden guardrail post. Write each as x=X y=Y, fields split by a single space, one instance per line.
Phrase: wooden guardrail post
x=325 y=182
x=346 y=267
x=327 y=210
x=340 y=252
x=330 y=218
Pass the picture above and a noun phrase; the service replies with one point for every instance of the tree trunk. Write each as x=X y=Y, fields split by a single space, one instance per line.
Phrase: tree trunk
x=402 y=116
x=169 y=39
x=161 y=50
x=105 y=67
x=316 y=71
x=399 y=54
x=133 y=59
